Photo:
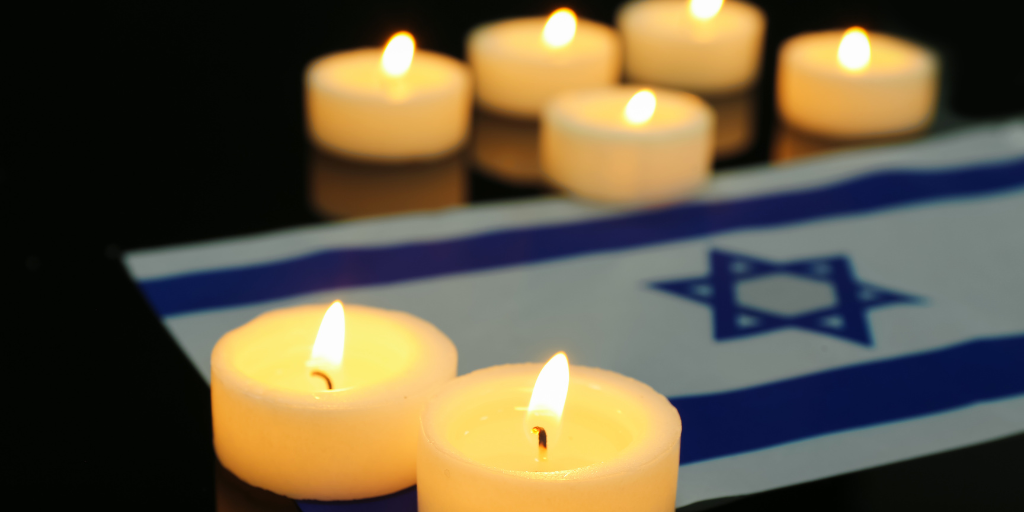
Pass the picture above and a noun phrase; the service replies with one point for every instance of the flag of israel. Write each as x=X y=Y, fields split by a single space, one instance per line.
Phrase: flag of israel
x=806 y=320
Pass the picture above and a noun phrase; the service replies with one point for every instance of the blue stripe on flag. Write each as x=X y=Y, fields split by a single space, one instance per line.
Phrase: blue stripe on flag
x=361 y=267
x=721 y=424
x=729 y=423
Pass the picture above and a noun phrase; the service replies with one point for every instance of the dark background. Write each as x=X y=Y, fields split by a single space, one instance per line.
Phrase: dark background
x=146 y=124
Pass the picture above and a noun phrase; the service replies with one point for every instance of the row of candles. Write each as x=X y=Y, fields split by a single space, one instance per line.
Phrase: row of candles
x=333 y=402
x=503 y=153
x=646 y=142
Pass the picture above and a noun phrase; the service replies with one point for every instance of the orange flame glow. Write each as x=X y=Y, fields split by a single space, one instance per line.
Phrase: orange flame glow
x=329 y=347
x=560 y=28
x=705 y=9
x=640 y=107
x=548 y=398
x=398 y=54
x=854 y=50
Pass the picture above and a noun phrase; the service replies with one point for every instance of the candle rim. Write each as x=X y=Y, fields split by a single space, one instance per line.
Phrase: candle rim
x=922 y=59
x=664 y=418
x=556 y=112
x=318 y=67
x=439 y=349
x=630 y=13
x=583 y=48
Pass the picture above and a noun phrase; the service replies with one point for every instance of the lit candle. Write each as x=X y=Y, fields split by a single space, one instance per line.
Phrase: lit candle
x=703 y=46
x=518 y=437
x=518 y=64
x=399 y=104
x=624 y=145
x=325 y=406
x=854 y=85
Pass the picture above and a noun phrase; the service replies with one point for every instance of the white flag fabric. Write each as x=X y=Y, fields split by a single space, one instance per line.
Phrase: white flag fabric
x=807 y=320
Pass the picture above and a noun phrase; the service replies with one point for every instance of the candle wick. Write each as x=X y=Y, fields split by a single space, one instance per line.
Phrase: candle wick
x=542 y=442
x=324 y=375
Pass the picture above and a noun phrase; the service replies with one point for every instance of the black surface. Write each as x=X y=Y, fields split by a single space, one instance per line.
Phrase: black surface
x=138 y=125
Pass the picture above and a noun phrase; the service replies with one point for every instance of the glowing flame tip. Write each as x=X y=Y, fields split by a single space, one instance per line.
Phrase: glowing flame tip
x=560 y=28
x=854 y=50
x=705 y=9
x=640 y=107
x=329 y=347
x=548 y=398
x=398 y=53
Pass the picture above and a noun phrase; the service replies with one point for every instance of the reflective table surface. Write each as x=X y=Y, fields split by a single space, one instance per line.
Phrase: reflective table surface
x=145 y=125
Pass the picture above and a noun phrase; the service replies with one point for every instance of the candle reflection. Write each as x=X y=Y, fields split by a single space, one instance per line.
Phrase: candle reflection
x=506 y=149
x=735 y=124
x=234 y=495
x=341 y=188
x=789 y=143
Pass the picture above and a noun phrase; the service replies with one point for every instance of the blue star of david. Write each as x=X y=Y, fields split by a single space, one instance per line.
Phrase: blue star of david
x=844 y=317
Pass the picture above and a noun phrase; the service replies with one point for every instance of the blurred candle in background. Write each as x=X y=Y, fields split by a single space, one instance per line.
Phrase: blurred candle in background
x=518 y=64
x=626 y=144
x=856 y=85
x=323 y=402
x=706 y=47
x=398 y=104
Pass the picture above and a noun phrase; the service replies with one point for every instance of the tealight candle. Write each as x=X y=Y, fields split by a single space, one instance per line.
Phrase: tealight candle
x=703 y=46
x=400 y=104
x=326 y=406
x=518 y=437
x=621 y=144
x=852 y=85
x=518 y=64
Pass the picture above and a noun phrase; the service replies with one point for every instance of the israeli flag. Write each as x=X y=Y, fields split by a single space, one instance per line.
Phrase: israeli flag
x=807 y=320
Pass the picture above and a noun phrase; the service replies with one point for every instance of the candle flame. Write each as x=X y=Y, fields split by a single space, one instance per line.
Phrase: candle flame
x=854 y=50
x=548 y=398
x=398 y=53
x=640 y=107
x=705 y=9
x=329 y=346
x=560 y=28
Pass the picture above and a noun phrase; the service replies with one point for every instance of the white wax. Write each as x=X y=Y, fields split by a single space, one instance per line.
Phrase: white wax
x=588 y=148
x=277 y=427
x=895 y=94
x=667 y=45
x=515 y=72
x=355 y=110
x=618 y=448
